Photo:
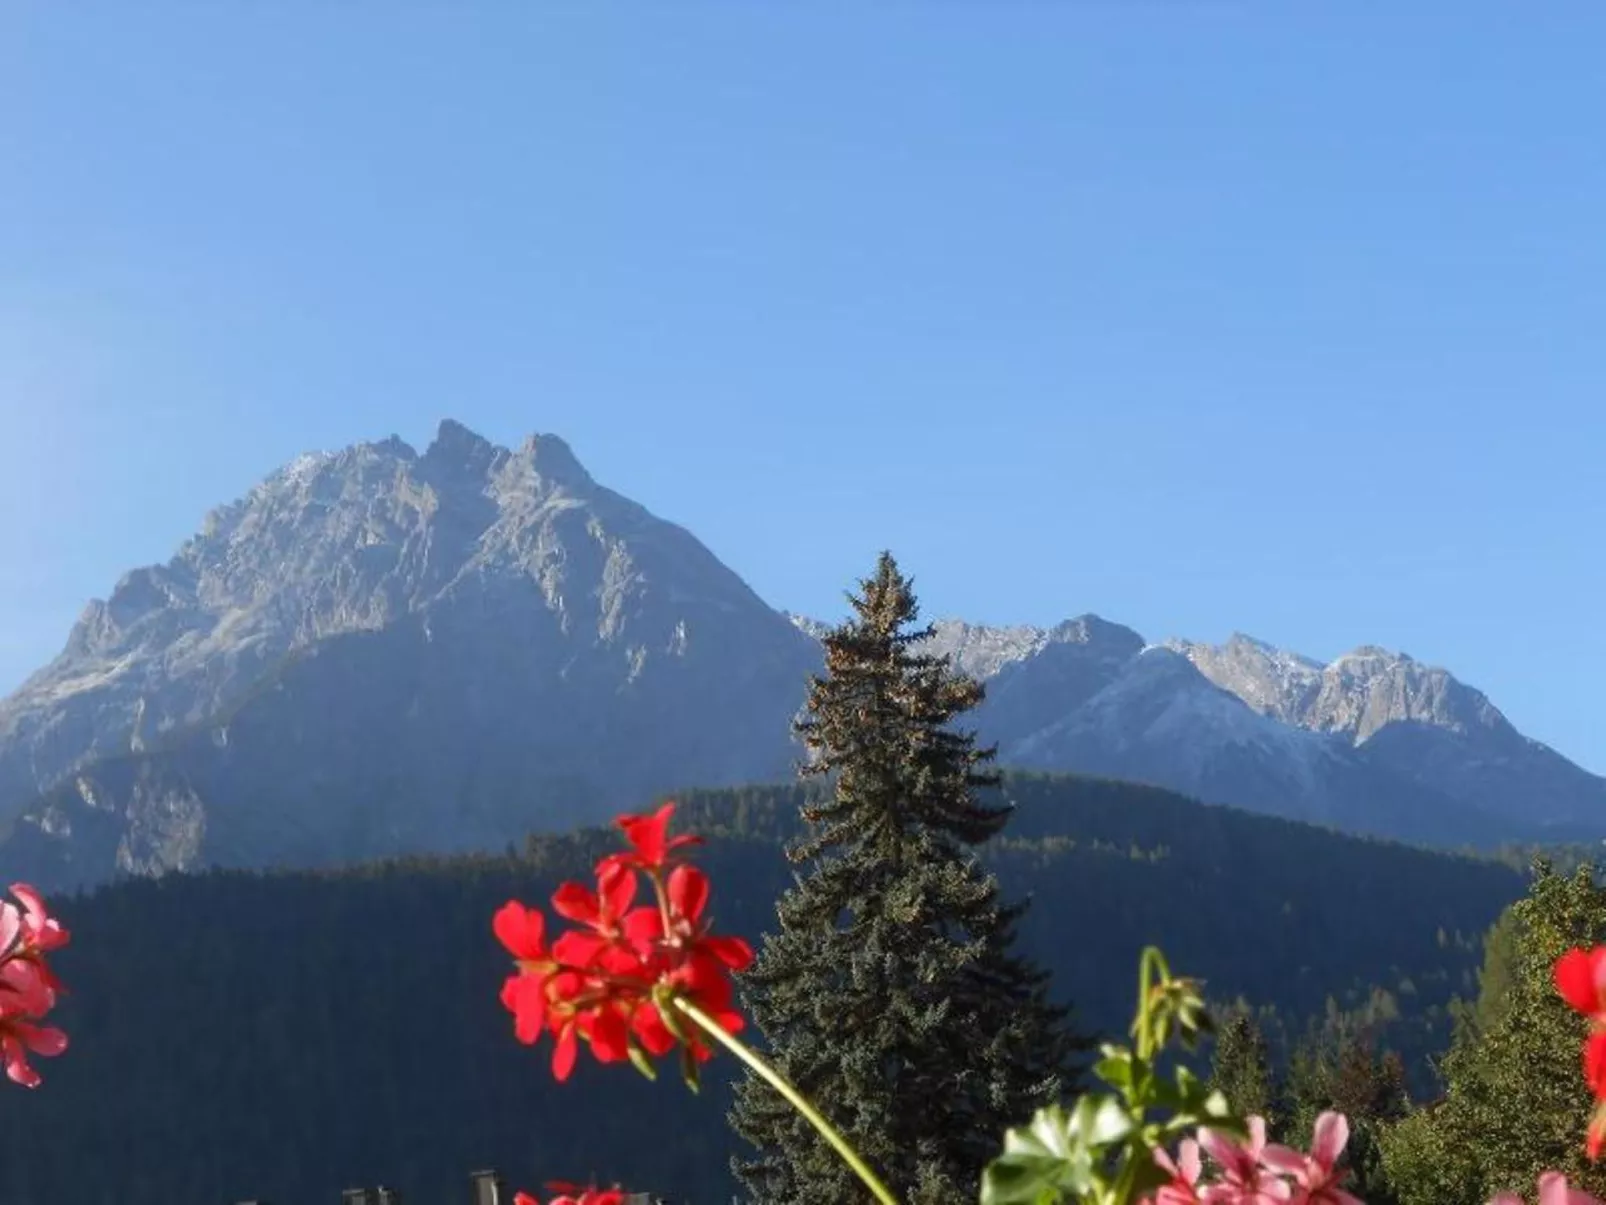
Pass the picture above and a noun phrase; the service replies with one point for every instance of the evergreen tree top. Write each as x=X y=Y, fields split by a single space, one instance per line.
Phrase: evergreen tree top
x=881 y=720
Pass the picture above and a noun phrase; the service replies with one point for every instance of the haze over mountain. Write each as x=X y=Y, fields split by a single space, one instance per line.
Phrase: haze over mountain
x=380 y=651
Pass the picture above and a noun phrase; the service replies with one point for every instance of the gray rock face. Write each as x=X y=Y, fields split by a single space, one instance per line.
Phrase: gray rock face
x=469 y=616
x=1417 y=721
x=1355 y=696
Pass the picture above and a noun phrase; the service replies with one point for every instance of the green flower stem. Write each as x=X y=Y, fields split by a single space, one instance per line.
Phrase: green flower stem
x=795 y=1098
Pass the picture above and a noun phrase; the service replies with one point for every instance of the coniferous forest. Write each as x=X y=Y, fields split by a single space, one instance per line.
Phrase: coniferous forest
x=285 y=1035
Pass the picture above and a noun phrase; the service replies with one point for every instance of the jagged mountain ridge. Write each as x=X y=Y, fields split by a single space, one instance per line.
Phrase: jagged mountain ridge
x=380 y=651
x=467 y=616
x=1417 y=720
x=1373 y=741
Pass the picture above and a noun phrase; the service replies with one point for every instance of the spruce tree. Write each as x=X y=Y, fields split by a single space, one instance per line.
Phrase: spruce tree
x=890 y=994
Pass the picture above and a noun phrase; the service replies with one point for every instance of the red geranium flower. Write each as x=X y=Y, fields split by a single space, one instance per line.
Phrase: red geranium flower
x=608 y=981
x=604 y=913
x=523 y=931
x=650 y=842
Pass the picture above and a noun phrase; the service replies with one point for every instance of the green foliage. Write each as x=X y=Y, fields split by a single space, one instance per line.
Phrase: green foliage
x=892 y=981
x=1515 y=1103
x=1339 y=1065
x=1240 y=1068
x=1101 y=1151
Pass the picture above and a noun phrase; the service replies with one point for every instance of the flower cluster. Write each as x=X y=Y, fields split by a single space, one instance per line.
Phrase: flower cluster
x=1254 y=1172
x=1580 y=976
x=28 y=987
x=573 y=1194
x=624 y=978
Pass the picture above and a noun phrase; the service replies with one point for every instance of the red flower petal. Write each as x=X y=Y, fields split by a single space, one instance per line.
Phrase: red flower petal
x=649 y=839
x=522 y=930
x=729 y=1021
x=732 y=951
x=610 y=1037
x=1575 y=976
x=525 y=997
x=567 y=985
x=564 y=1054
x=617 y=886
x=647 y=833
x=576 y=902
x=688 y=892
x=643 y=927
x=1595 y=1064
x=578 y=948
x=648 y=1026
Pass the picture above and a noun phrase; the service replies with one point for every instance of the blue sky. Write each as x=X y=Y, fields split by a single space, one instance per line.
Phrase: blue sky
x=1206 y=317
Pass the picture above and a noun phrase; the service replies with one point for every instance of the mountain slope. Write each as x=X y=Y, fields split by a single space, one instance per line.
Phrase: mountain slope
x=379 y=651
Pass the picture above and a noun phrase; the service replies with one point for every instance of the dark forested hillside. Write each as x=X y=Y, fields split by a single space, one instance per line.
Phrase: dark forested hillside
x=286 y=1035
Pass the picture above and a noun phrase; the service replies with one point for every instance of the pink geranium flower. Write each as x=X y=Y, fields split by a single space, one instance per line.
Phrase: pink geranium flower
x=1184 y=1173
x=41 y=932
x=1316 y=1175
x=1553 y=1190
x=20 y=1038
x=1244 y=1179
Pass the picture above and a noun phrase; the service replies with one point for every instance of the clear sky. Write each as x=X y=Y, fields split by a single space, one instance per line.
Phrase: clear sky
x=1288 y=319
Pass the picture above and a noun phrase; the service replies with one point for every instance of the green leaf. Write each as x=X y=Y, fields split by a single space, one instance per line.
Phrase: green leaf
x=1057 y=1156
x=1102 y=1120
x=689 y=1071
x=642 y=1063
x=1115 y=1068
x=1043 y=1163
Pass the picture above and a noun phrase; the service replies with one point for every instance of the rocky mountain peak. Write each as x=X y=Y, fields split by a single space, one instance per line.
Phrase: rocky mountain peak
x=1091 y=629
x=456 y=448
x=551 y=459
x=1370 y=687
x=1273 y=681
x=361 y=540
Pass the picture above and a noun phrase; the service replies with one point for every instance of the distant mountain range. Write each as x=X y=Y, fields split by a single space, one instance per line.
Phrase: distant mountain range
x=382 y=651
